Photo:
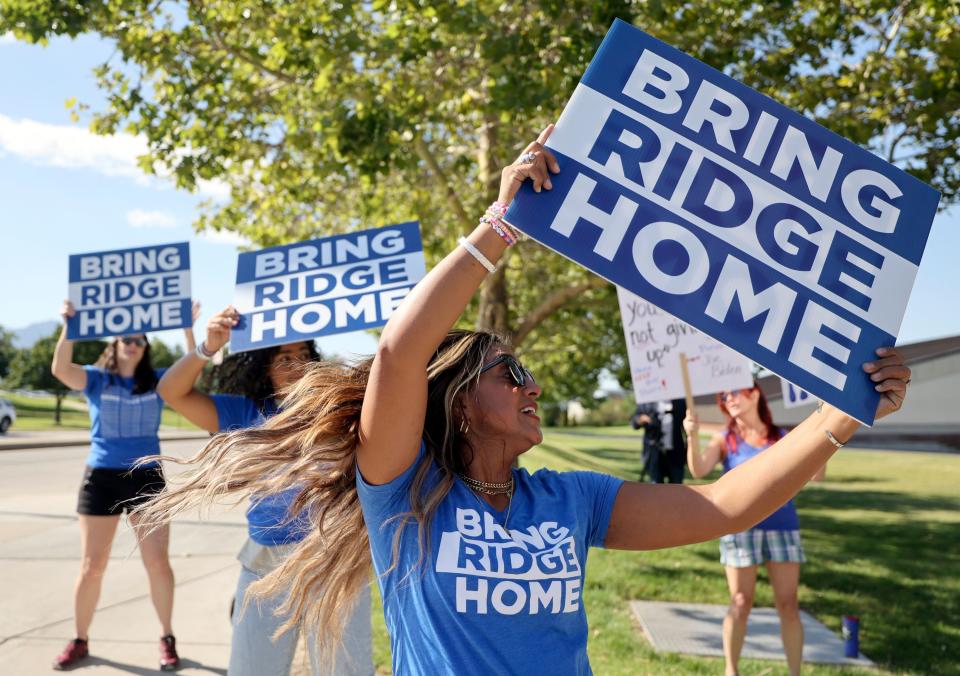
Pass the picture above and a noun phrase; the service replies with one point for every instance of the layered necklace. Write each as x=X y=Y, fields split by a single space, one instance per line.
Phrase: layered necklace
x=488 y=487
x=491 y=488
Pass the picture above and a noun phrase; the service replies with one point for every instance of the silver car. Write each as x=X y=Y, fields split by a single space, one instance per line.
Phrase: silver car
x=8 y=415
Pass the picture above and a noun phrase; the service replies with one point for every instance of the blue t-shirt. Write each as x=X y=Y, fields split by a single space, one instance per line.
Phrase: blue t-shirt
x=485 y=601
x=784 y=518
x=123 y=425
x=267 y=516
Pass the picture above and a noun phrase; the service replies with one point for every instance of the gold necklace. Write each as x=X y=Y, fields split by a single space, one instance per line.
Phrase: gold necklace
x=488 y=487
x=506 y=518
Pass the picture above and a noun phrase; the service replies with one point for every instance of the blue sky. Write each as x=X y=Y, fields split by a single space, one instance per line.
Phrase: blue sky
x=64 y=190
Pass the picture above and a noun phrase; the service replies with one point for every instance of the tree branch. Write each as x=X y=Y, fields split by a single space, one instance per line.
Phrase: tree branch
x=551 y=304
x=424 y=152
x=886 y=40
x=896 y=141
x=222 y=45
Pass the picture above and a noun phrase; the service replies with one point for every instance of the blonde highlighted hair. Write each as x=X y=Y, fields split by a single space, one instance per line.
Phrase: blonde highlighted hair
x=311 y=446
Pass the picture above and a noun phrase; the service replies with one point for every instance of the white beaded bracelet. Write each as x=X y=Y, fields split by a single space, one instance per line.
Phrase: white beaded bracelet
x=200 y=352
x=475 y=252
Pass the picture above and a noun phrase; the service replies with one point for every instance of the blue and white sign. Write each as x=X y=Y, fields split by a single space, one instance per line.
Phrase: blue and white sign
x=332 y=285
x=794 y=396
x=741 y=217
x=129 y=291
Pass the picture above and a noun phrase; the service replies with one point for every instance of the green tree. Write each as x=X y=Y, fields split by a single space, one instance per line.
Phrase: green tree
x=31 y=367
x=161 y=355
x=323 y=117
x=7 y=352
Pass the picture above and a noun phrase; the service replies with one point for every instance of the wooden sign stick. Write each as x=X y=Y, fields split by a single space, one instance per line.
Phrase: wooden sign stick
x=694 y=439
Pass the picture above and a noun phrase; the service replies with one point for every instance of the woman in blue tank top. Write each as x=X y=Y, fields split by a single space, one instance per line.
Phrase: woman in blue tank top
x=406 y=462
x=125 y=414
x=773 y=542
x=248 y=386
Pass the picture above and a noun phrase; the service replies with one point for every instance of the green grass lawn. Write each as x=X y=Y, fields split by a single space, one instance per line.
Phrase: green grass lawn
x=882 y=535
x=37 y=414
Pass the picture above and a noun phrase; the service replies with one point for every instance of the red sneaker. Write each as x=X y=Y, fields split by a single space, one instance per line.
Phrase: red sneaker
x=169 y=660
x=75 y=651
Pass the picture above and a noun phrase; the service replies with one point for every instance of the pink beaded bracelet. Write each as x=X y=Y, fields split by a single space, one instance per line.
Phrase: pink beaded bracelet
x=494 y=218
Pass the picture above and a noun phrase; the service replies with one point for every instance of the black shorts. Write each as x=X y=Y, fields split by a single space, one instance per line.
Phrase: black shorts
x=109 y=492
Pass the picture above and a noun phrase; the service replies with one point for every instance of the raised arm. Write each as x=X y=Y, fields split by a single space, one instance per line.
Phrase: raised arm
x=188 y=332
x=702 y=463
x=391 y=423
x=177 y=385
x=63 y=369
x=654 y=516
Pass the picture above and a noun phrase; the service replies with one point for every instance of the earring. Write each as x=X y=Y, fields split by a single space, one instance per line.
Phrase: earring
x=464 y=426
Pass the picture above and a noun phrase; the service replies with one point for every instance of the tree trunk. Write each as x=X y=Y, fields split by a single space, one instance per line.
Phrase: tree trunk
x=493 y=314
x=56 y=413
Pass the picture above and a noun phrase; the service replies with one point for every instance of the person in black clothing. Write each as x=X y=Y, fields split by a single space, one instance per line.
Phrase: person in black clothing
x=664 y=443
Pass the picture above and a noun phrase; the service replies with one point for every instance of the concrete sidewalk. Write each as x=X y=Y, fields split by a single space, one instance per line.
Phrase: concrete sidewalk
x=21 y=439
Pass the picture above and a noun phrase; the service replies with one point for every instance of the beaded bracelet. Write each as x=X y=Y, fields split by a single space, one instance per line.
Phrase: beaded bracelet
x=201 y=351
x=494 y=218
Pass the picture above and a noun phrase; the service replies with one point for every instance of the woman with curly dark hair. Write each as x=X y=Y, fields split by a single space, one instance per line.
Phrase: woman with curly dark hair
x=121 y=390
x=248 y=388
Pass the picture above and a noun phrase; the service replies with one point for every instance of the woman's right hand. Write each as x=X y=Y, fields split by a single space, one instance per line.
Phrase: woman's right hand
x=690 y=424
x=219 y=327
x=67 y=310
x=544 y=162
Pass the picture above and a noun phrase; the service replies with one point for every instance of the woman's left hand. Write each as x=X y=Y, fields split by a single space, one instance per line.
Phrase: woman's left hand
x=890 y=376
x=536 y=163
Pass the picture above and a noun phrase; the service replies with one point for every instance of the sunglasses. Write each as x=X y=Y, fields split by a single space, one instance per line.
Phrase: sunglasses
x=517 y=372
x=734 y=393
x=134 y=340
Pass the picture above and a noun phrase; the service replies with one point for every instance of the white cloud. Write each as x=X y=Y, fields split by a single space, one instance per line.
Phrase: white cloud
x=225 y=237
x=139 y=218
x=216 y=189
x=7 y=39
x=74 y=147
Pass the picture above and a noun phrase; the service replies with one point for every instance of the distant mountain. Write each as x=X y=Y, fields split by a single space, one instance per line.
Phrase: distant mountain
x=28 y=335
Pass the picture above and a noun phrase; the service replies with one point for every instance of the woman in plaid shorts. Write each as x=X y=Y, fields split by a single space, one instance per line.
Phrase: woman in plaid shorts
x=774 y=542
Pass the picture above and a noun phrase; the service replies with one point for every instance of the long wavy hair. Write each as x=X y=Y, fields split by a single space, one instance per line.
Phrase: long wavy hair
x=311 y=446
x=248 y=374
x=144 y=377
x=763 y=410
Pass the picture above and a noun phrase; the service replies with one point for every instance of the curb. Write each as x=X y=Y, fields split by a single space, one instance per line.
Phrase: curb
x=24 y=444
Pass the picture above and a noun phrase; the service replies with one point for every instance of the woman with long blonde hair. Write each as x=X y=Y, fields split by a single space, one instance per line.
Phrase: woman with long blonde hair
x=247 y=386
x=407 y=460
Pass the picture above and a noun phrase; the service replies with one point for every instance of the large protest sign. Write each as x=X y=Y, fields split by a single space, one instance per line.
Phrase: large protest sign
x=129 y=291
x=794 y=397
x=332 y=285
x=764 y=230
x=655 y=340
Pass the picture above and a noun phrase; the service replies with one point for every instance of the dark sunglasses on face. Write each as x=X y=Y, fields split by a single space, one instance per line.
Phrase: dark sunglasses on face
x=735 y=393
x=134 y=340
x=517 y=372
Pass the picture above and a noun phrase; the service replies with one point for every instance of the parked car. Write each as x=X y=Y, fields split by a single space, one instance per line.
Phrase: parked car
x=8 y=415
